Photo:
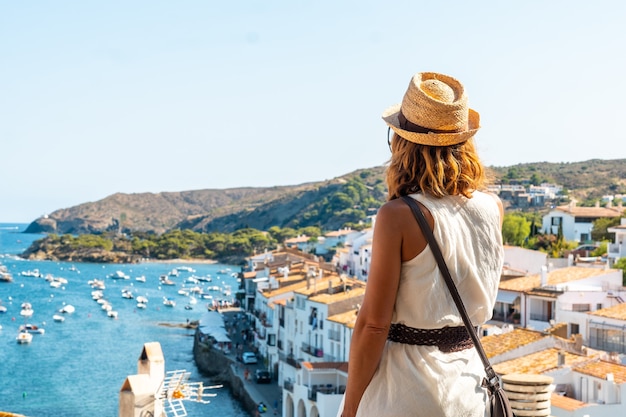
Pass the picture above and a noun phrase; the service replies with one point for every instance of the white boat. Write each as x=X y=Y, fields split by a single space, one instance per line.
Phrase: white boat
x=69 y=309
x=97 y=284
x=24 y=337
x=169 y=302
x=141 y=305
x=112 y=314
x=55 y=284
x=32 y=273
x=141 y=278
x=127 y=294
x=5 y=276
x=141 y=299
x=31 y=328
x=186 y=269
x=193 y=300
x=26 y=312
x=119 y=275
x=3 y=309
x=58 y=317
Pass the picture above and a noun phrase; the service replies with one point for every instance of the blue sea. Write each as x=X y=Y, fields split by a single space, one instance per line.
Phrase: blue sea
x=77 y=367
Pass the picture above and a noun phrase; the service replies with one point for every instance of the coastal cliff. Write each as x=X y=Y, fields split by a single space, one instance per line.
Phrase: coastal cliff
x=214 y=364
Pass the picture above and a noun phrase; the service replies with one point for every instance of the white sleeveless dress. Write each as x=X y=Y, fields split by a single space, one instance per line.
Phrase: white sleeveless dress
x=421 y=380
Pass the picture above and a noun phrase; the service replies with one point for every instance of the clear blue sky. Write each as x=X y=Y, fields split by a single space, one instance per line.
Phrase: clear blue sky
x=150 y=96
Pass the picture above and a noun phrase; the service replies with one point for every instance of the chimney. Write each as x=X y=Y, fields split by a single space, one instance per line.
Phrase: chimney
x=561 y=359
x=597 y=204
x=544 y=276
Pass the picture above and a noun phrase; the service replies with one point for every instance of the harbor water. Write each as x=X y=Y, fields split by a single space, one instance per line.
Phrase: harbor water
x=77 y=366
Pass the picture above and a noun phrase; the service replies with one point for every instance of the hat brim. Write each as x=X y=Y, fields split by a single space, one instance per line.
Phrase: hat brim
x=390 y=116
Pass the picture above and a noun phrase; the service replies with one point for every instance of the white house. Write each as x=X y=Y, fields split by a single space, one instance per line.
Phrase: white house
x=355 y=257
x=556 y=296
x=575 y=222
x=335 y=238
x=606 y=328
x=617 y=249
x=316 y=391
x=527 y=260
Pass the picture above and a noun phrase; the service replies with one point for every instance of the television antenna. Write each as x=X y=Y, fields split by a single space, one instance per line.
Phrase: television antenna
x=176 y=388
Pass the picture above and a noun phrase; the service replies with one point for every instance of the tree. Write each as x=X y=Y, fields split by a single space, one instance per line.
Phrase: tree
x=515 y=229
x=599 y=231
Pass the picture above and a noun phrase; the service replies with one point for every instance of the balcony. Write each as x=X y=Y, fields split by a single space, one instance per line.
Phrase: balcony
x=288 y=385
x=327 y=389
x=317 y=352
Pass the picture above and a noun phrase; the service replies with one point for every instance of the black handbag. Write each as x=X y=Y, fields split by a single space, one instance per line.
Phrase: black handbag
x=499 y=402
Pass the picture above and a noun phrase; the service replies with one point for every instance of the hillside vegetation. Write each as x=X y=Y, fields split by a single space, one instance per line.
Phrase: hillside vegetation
x=329 y=205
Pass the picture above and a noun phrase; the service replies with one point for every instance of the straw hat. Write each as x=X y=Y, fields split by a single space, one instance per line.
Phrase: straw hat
x=433 y=112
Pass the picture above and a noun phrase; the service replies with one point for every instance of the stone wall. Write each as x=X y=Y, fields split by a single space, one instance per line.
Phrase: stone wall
x=219 y=367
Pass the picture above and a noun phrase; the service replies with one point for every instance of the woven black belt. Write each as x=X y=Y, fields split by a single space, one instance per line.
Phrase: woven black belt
x=447 y=339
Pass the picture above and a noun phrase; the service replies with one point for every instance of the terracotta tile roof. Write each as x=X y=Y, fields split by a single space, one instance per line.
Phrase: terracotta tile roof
x=290 y=287
x=558 y=276
x=318 y=285
x=600 y=369
x=591 y=211
x=299 y=239
x=347 y=318
x=615 y=312
x=340 y=366
x=566 y=403
x=498 y=344
x=339 y=295
x=537 y=363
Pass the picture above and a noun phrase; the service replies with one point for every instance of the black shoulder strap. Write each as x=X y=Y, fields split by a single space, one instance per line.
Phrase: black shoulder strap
x=428 y=234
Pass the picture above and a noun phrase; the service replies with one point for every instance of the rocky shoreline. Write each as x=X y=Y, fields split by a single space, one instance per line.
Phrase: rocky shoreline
x=219 y=367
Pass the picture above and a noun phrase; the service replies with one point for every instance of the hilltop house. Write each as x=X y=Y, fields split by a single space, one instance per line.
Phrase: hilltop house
x=575 y=222
x=334 y=239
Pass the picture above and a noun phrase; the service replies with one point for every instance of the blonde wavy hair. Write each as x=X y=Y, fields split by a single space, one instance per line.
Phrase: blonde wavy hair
x=436 y=170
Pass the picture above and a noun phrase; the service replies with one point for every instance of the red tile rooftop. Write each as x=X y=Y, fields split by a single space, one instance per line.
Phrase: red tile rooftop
x=538 y=362
x=615 y=312
x=558 y=276
x=340 y=366
x=498 y=344
x=566 y=403
x=600 y=369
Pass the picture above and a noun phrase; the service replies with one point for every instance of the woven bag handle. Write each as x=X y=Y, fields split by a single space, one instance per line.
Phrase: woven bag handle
x=492 y=377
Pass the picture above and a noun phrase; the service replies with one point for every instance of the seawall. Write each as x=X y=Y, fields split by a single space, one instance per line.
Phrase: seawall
x=219 y=367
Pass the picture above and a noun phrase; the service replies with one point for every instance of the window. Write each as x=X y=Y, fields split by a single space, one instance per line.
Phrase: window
x=541 y=310
x=581 y=307
x=556 y=221
x=574 y=328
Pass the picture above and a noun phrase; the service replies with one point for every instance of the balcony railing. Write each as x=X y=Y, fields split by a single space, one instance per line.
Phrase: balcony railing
x=288 y=385
x=317 y=352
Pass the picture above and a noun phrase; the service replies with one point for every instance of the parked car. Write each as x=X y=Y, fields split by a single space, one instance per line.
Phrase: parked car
x=584 y=250
x=248 y=357
x=262 y=377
